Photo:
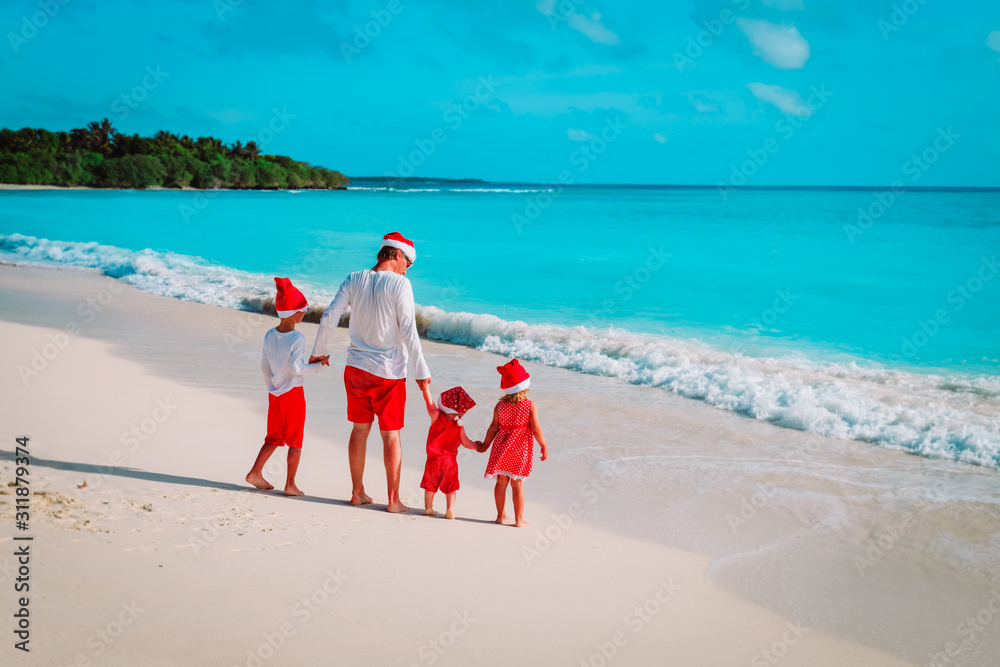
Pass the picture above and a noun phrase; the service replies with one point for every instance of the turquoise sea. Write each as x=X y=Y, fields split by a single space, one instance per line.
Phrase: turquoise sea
x=853 y=313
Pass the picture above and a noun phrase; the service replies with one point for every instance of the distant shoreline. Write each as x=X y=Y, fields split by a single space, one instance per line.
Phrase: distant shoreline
x=603 y=186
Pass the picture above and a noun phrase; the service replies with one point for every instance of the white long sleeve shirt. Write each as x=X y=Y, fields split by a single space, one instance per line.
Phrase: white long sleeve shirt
x=383 y=326
x=283 y=362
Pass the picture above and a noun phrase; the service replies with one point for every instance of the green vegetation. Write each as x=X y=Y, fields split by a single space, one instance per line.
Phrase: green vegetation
x=99 y=156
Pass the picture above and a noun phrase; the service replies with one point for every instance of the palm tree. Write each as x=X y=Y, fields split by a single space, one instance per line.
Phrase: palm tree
x=252 y=151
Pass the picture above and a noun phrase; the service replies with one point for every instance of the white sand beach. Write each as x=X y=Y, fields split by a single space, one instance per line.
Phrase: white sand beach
x=664 y=531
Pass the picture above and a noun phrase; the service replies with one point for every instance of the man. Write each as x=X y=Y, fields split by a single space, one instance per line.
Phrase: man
x=383 y=332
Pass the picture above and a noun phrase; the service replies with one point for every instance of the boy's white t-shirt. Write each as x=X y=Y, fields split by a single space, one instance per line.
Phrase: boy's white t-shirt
x=284 y=361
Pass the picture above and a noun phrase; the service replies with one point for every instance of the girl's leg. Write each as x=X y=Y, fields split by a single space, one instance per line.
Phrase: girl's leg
x=429 y=503
x=517 y=490
x=294 y=454
x=450 y=497
x=256 y=474
x=500 y=495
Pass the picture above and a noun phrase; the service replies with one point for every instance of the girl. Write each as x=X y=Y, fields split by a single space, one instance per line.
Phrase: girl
x=515 y=419
x=443 y=440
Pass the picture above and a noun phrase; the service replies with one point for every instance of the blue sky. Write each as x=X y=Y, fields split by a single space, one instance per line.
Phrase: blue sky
x=516 y=91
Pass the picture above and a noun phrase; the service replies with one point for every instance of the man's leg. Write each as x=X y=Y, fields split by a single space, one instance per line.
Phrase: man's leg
x=256 y=474
x=356 y=450
x=392 y=453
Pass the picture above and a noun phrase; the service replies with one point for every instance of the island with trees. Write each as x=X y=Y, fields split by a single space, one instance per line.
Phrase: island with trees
x=99 y=156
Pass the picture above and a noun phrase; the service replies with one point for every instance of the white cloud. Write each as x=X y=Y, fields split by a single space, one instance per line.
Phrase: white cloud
x=993 y=40
x=592 y=28
x=578 y=135
x=659 y=138
x=779 y=45
x=787 y=101
x=785 y=5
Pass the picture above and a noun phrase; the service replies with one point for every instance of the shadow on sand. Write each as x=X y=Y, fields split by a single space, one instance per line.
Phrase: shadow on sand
x=135 y=473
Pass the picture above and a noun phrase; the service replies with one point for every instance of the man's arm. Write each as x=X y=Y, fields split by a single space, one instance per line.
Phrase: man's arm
x=406 y=319
x=330 y=321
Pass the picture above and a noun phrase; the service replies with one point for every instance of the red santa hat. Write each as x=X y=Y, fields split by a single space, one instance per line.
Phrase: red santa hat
x=396 y=240
x=513 y=378
x=289 y=300
x=455 y=402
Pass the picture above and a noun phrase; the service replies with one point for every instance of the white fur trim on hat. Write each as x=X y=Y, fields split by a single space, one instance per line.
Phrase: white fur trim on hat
x=288 y=313
x=408 y=250
x=448 y=411
x=520 y=386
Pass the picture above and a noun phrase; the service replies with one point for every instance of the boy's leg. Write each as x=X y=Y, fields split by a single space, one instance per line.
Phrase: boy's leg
x=500 y=496
x=256 y=474
x=356 y=449
x=294 y=454
x=450 y=497
x=517 y=490
x=429 y=503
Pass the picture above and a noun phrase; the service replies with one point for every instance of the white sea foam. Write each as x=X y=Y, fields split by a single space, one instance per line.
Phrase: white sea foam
x=942 y=416
x=387 y=188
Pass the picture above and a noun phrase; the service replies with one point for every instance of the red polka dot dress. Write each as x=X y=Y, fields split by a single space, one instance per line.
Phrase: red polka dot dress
x=514 y=447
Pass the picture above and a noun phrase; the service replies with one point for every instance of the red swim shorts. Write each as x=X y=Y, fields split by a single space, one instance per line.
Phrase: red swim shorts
x=369 y=395
x=286 y=417
x=440 y=472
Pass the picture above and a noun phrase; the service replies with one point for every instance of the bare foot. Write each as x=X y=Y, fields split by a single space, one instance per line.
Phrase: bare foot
x=292 y=490
x=521 y=523
x=449 y=514
x=398 y=508
x=364 y=499
x=502 y=519
x=430 y=512
x=256 y=479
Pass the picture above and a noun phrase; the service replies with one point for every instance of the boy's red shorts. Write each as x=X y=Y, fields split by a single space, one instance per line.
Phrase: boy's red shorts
x=440 y=472
x=369 y=395
x=286 y=417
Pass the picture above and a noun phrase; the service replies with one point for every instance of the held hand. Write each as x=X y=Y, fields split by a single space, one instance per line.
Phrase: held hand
x=325 y=360
x=313 y=360
x=423 y=383
x=480 y=446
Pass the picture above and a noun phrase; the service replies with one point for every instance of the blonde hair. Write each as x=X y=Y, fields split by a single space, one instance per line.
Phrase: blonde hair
x=516 y=398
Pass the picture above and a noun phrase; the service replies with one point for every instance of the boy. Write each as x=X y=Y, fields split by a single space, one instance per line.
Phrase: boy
x=443 y=440
x=283 y=364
